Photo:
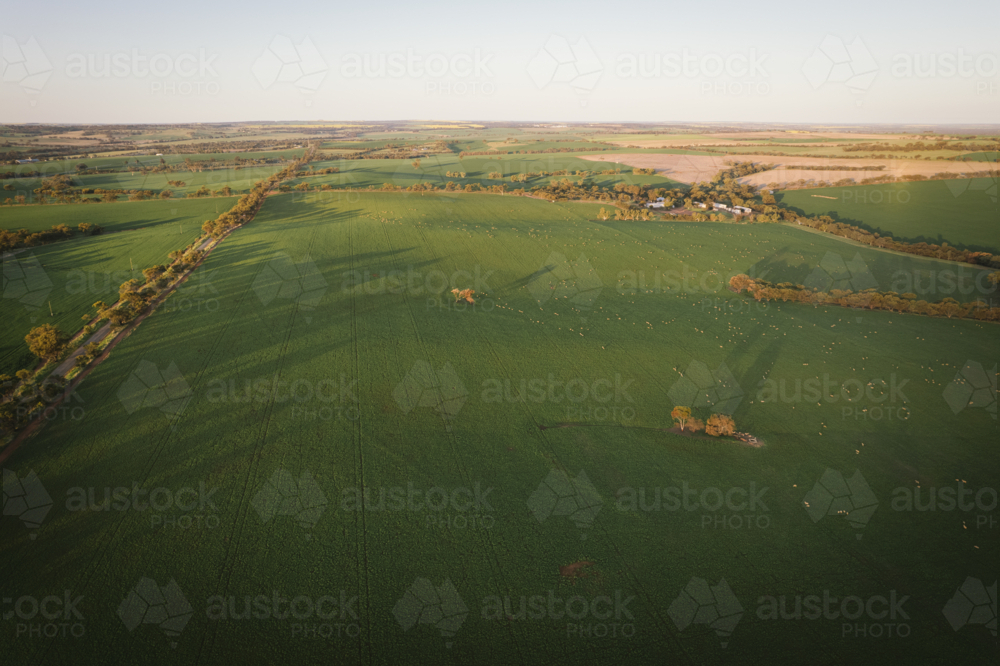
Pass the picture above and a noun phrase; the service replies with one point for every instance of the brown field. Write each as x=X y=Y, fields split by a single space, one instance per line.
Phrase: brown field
x=694 y=168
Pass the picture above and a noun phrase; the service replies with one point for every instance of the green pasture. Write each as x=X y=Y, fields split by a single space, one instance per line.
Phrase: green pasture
x=73 y=274
x=961 y=212
x=337 y=362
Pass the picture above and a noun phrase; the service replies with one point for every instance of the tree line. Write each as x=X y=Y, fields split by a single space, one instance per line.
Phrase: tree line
x=869 y=299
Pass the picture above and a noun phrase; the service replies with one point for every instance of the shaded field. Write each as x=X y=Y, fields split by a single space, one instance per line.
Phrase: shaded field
x=72 y=274
x=348 y=301
x=961 y=212
x=434 y=169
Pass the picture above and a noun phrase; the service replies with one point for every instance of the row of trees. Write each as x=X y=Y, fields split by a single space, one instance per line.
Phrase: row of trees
x=21 y=399
x=493 y=153
x=920 y=146
x=869 y=299
x=10 y=240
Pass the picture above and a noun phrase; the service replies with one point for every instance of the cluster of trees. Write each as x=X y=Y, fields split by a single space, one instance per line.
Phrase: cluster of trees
x=869 y=299
x=724 y=186
x=10 y=240
x=450 y=186
x=21 y=399
x=644 y=172
x=740 y=169
x=717 y=425
x=317 y=172
x=625 y=212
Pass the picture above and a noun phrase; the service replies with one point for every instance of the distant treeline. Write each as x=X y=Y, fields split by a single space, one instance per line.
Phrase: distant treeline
x=800 y=167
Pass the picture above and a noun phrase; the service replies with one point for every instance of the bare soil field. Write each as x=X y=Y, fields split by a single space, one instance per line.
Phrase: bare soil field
x=694 y=168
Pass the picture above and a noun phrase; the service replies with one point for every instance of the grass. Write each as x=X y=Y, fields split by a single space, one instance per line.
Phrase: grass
x=434 y=169
x=118 y=163
x=962 y=212
x=362 y=330
x=240 y=180
x=987 y=156
x=79 y=271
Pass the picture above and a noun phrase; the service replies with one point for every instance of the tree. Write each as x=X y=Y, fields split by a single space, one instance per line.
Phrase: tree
x=720 y=424
x=46 y=341
x=681 y=415
x=464 y=293
x=416 y=164
x=693 y=424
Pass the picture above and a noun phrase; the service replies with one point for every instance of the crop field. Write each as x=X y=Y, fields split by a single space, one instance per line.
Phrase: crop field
x=512 y=451
x=962 y=212
x=239 y=179
x=434 y=169
x=126 y=163
x=988 y=156
x=74 y=273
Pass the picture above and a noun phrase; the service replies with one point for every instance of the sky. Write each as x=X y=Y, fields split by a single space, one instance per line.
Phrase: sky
x=782 y=62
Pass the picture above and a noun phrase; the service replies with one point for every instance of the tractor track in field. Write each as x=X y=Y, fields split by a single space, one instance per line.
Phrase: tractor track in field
x=489 y=547
x=362 y=554
x=118 y=528
x=244 y=508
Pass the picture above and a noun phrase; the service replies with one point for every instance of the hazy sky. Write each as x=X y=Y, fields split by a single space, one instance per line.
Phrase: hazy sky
x=182 y=61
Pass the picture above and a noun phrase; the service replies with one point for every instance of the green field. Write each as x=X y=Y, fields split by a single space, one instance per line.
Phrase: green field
x=962 y=212
x=239 y=179
x=73 y=274
x=988 y=156
x=434 y=169
x=365 y=375
x=151 y=161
